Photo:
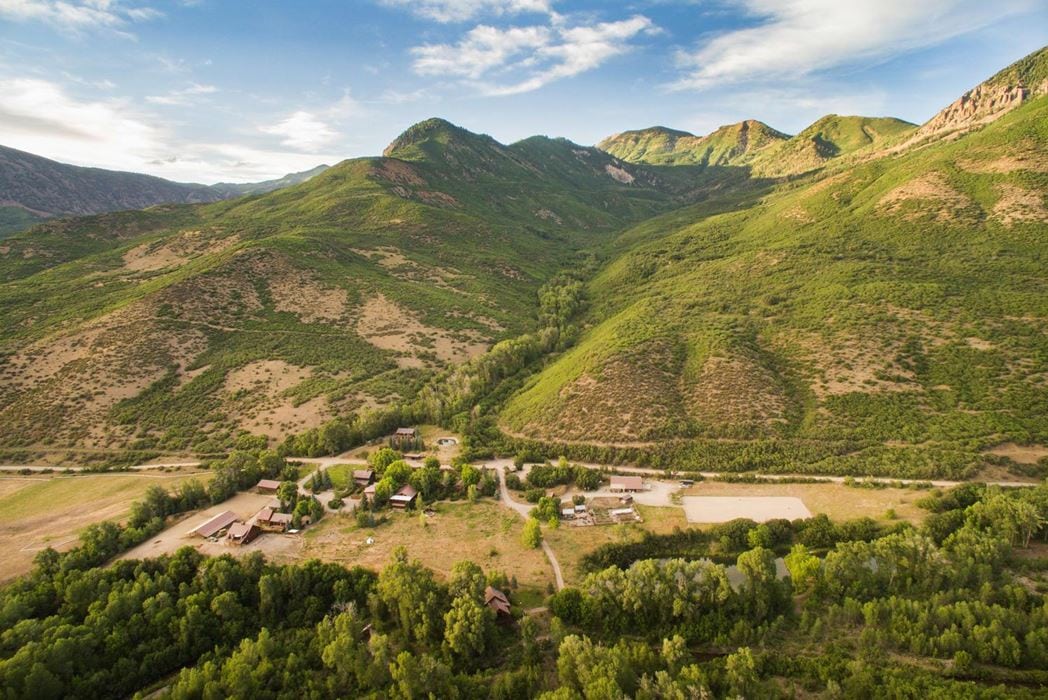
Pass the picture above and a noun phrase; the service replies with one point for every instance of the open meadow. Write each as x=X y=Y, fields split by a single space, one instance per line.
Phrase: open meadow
x=483 y=532
x=39 y=511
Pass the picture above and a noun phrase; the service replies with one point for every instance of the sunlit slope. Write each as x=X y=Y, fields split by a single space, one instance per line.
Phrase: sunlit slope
x=901 y=301
x=174 y=328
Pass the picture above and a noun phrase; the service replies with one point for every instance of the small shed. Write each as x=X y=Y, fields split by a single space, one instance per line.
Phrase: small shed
x=624 y=484
x=369 y=491
x=363 y=477
x=216 y=524
x=580 y=508
x=405 y=438
x=241 y=533
x=268 y=486
x=497 y=601
x=567 y=513
x=403 y=497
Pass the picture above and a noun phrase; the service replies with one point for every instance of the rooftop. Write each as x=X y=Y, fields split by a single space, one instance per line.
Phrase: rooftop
x=216 y=524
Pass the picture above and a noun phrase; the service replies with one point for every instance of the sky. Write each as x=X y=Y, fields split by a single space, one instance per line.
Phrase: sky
x=246 y=90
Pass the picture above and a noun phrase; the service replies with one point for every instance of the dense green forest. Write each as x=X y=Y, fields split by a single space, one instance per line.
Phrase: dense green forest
x=955 y=608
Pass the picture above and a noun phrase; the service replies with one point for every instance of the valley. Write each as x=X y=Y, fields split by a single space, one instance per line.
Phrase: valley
x=747 y=414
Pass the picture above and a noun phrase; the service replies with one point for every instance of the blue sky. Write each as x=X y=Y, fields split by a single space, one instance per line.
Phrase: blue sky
x=241 y=90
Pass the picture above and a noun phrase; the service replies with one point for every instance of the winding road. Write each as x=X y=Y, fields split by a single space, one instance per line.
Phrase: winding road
x=524 y=510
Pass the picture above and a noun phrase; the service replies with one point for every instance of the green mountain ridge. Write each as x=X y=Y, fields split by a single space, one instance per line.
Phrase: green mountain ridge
x=766 y=151
x=343 y=293
x=859 y=310
x=36 y=188
x=881 y=315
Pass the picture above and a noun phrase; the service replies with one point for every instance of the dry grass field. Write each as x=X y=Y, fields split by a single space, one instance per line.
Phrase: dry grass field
x=41 y=511
x=483 y=532
x=571 y=544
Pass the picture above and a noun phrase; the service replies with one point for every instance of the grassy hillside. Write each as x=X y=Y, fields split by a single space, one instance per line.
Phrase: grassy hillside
x=831 y=137
x=752 y=144
x=731 y=145
x=889 y=318
x=174 y=328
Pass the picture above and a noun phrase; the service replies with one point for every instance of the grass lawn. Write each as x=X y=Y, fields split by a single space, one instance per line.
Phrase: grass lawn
x=342 y=474
x=36 y=512
x=484 y=532
x=837 y=501
x=571 y=544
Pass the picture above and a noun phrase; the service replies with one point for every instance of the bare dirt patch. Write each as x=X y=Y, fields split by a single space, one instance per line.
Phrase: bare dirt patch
x=388 y=326
x=398 y=171
x=1031 y=158
x=629 y=399
x=837 y=501
x=258 y=399
x=63 y=388
x=798 y=214
x=618 y=174
x=173 y=251
x=402 y=267
x=733 y=390
x=937 y=197
x=221 y=297
x=1023 y=454
x=269 y=376
x=844 y=363
x=308 y=299
x=1019 y=205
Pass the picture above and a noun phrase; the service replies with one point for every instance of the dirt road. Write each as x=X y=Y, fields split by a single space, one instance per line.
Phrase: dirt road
x=524 y=510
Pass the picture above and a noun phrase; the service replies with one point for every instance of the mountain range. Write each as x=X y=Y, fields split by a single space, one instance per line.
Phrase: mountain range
x=33 y=188
x=867 y=296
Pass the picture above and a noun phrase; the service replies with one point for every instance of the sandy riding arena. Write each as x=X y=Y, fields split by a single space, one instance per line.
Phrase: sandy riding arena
x=721 y=509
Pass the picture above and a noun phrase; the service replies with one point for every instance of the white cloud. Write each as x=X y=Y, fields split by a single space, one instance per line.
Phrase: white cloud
x=41 y=117
x=183 y=96
x=312 y=131
x=76 y=15
x=462 y=10
x=530 y=57
x=483 y=49
x=303 y=131
x=797 y=37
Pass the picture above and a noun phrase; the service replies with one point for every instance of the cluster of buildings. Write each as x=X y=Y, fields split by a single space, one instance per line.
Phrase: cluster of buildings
x=607 y=510
x=228 y=526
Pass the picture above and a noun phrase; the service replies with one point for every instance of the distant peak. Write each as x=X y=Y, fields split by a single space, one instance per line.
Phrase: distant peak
x=754 y=125
x=426 y=130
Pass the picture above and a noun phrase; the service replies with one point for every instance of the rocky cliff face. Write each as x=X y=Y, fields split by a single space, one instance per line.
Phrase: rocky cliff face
x=978 y=106
x=1020 y=82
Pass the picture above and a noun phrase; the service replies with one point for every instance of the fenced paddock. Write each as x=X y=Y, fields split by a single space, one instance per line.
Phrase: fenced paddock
x=721 y=509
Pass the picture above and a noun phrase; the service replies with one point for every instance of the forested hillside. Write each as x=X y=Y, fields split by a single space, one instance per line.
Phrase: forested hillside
x=888 y=317
x=173 y=329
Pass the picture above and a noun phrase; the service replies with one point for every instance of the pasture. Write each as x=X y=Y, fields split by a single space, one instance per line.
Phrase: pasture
x=40 y=511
